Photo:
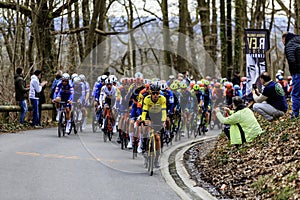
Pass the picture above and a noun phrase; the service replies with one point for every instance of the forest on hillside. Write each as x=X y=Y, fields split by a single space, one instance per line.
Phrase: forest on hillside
x=125 y=36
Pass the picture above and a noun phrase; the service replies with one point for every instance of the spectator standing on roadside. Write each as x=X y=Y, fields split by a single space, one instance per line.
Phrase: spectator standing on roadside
x=292 y=52
x=35 y=89
x=271 y=103
x=236 y=80
x=21 y=93
x=54 y=83
x=42 y=100
x=243 y=124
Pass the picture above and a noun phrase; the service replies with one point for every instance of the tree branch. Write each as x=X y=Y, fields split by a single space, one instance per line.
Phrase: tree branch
x=288 y=11
x=13 y=6
x=58 y=11
x=100 y=32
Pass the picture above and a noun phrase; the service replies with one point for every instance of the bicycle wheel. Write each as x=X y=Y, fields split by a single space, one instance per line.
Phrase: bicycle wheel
x=94 y=123
x=105 y=131
x=74 y=120
x=151 y=157
x=109 y=135
x=134 y=147
x=61 y=124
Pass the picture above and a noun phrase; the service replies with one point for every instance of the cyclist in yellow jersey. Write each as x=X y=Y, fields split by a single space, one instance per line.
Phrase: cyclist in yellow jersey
x=154 y=110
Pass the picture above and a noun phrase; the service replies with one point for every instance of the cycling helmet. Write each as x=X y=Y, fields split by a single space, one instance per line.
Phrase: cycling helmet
x=280 y=77
x=174 y=86
x=82 y=77
x=65 y=76
x=138 y=75
x=77 y=80
x=289 y=78
x=196 y=88
x=208 y=78
x=206 y=82
x=236 y=87
x=183 y=85
x=163 y=86
x=228 y=85
x=124 y=80
x=243 y=79
x=99 y=79
x=154 y=87
x=171 y=77
x=217 y=85
x=201 y=85
x=108 y=81
x=103 y=77
x=113 y=78
x=223 y=80
x=73 y=76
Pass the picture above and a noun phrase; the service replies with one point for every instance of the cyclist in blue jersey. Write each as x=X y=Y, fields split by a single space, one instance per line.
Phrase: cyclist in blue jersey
x=65 y=93
x=206 y=101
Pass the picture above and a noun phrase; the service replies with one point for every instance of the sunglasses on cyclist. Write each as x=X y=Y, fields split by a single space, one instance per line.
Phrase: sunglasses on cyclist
x=64 y=81
x=155 y=93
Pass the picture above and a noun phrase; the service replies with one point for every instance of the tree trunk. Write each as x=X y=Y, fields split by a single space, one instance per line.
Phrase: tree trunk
x=85 y=20
x=214 y=36
x=166 y=36
x=229 y=40
x=238 y=35
x=223 y=39
x=78 y=35
x=181 y=45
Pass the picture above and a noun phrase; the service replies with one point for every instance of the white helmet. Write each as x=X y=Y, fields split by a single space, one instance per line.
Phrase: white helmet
x=77 y=80
x=103 y=77
x=73 y=76
x=163 y=86
x=82 y=77
x=138 y=75
x=113 y=78
x=65 y=76
x=99 y=79
x=108 y=81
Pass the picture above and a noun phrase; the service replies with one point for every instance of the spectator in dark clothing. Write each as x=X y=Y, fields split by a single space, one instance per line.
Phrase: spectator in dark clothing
x=21 y=93
x=236 y=80
x=54 y=83
x=292 y=53
x=42 y=100
x=271 y=103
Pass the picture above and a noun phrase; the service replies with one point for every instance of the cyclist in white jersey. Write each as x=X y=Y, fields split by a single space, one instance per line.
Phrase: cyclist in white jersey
x=108 y=97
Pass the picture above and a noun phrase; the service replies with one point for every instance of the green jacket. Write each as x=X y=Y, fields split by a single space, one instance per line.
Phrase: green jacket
x=247 y=121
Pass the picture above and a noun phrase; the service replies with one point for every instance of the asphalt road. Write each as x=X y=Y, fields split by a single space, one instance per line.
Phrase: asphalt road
x=38 y=165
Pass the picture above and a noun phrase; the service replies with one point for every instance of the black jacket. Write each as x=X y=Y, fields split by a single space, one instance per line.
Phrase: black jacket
x=20 y=88
x=292 y=52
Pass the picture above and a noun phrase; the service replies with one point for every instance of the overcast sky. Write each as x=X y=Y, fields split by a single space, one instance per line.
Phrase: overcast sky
x=152 y=5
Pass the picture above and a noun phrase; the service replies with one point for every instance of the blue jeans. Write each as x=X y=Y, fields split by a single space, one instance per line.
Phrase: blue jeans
x=24 y=110
x=296 y=94
x=35 y=112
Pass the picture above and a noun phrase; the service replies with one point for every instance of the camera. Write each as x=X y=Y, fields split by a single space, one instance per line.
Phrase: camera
x=254 y=86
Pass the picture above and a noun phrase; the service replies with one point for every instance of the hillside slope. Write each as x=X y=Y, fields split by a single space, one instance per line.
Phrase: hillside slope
x=267 y=168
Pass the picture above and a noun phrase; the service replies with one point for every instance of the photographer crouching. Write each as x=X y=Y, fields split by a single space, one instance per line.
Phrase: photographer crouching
x=271 y=103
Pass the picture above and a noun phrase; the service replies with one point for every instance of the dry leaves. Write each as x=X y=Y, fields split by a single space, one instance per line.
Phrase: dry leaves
x=267 y=168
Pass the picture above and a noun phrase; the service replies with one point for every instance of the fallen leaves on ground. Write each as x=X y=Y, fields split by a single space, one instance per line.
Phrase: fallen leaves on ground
x=267 y=168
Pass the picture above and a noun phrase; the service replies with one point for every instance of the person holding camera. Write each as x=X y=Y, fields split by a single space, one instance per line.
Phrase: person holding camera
x=35 y=88
x=243 y=124
x=271 y=103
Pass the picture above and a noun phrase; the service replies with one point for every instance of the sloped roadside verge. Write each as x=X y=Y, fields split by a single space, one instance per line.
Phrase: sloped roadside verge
x=267 y=168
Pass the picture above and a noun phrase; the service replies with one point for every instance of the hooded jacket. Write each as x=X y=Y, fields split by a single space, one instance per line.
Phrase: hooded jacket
x=292 y=52
x=20 y=88
x=248 y=123
x=35 y=87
